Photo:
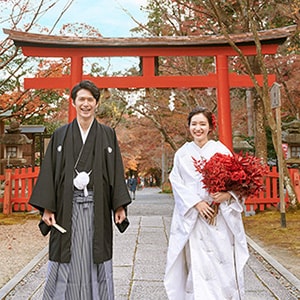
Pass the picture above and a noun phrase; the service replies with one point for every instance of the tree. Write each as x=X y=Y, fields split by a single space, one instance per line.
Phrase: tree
x=227 y=17
x=22 y=104
x=254 y=20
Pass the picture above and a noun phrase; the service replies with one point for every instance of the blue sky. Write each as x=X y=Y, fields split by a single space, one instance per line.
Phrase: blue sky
x=108 y=16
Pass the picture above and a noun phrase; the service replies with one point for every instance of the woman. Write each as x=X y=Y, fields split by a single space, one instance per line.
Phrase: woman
x=205 y=261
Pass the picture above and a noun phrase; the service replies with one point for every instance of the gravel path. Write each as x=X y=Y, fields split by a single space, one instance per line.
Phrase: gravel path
x=19 y=244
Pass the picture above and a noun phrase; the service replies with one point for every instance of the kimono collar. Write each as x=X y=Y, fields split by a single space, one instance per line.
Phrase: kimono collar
x=85 y=134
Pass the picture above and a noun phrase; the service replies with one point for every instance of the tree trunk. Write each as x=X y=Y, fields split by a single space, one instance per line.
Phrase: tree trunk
x=260 y=132
x=272 y=123
x=250 y=112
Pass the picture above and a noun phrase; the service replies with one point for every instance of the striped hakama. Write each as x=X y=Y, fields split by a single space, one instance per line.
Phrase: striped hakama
x=81 y=278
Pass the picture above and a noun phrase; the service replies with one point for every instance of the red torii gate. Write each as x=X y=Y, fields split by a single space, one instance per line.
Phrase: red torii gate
x=148 y=49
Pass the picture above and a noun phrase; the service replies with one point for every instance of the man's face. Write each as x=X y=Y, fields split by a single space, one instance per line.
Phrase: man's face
x=85 y=104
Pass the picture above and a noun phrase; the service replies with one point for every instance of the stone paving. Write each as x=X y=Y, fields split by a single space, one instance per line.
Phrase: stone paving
x=140 y=256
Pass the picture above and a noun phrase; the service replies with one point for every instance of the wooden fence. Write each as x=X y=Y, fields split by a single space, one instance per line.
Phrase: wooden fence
x=270 y=195
x=17 y=184
x=16 y=188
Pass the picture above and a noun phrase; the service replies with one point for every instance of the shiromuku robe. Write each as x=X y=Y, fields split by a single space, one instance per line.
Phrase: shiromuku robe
x=54 y=189
x=216 y=255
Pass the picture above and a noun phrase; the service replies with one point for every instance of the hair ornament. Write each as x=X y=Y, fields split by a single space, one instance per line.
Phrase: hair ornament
x=213 y=122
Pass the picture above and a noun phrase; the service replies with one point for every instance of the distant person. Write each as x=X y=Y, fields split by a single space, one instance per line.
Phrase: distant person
x=142 y=182
x=80 y=186
x=132 y=186
x=205 y=261
x=151 y=181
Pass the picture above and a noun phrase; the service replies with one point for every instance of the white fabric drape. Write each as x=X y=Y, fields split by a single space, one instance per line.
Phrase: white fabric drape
x=204 y=261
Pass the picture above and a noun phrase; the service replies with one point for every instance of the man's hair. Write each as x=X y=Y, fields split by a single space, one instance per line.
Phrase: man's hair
x=87 y=85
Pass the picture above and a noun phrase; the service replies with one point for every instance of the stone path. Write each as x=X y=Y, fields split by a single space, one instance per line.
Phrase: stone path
x=139 y=260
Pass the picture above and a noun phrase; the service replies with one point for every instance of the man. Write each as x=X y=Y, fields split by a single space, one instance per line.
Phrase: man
x=132 y=186
x=81 y=183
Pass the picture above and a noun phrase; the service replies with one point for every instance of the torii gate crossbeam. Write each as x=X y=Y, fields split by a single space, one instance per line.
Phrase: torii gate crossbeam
x=148 y=49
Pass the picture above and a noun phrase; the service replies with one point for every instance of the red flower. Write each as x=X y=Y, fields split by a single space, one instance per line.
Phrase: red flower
x=241 y=173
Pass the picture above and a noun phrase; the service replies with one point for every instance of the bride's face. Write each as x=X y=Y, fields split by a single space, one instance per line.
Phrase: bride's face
x=199 y=129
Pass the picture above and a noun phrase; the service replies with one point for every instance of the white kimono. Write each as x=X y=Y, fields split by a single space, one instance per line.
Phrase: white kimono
x=204 y=261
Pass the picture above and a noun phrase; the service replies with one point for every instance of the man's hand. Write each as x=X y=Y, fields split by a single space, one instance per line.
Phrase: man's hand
x=120 y=215
x=48 y=217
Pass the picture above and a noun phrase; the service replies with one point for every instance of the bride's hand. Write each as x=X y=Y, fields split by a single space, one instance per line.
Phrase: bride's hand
x=220 y=197
x=204 y=209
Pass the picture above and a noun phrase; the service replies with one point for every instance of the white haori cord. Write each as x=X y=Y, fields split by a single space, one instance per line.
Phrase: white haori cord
x=81 y=181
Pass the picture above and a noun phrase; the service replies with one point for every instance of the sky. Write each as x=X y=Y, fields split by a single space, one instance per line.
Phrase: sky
x=108 y=16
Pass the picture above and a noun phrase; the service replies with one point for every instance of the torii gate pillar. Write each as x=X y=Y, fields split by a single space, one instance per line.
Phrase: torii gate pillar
x=223 y=100
x=76 y=76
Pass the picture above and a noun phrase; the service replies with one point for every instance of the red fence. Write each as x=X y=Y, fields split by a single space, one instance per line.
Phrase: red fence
x=17 y=184
x=270 y=196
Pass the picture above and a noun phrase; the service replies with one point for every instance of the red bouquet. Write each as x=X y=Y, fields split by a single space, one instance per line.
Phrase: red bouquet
x=241 y=173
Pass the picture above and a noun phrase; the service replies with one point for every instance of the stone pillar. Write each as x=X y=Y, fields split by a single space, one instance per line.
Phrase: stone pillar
x=240 y=144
